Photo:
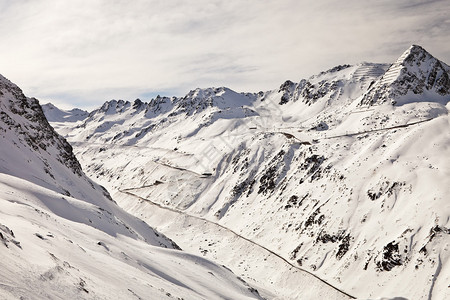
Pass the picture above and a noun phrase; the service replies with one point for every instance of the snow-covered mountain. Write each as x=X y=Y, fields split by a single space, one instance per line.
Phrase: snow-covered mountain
x=54 y=114
x=344 y=175
x=415 y=75
x=62 y=236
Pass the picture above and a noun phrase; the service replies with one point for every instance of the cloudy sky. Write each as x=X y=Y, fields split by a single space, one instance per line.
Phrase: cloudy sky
x=80 y=53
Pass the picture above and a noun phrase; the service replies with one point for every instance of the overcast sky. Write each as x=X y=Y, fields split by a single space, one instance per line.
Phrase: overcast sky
x=81 y=53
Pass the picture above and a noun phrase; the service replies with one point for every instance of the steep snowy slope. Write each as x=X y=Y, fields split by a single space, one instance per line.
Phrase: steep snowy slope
x=344 y=174
x=49 y=252
x=63 y=237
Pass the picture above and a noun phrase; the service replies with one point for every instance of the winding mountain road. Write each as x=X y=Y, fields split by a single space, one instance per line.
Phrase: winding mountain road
x=127 y=191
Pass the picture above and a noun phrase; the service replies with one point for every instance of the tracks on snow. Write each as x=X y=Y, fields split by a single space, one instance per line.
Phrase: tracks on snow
x=127 y=191
x=380 y=129
x=289 y=135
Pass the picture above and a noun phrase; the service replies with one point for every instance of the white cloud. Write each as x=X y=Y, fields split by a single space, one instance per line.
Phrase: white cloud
x=83 y=52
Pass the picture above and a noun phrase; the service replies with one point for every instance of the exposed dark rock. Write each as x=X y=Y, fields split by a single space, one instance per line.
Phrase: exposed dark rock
x=287 y=88
x=293 y=254
x=384 y=188
x=391 y=257
x=343 y=246
x=268 y=180
x=295 y=201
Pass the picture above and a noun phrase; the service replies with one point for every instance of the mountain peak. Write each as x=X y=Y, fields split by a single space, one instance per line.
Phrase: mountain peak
x=414 y=73
x=54 y=114
x=416 y=48
x=415 y=53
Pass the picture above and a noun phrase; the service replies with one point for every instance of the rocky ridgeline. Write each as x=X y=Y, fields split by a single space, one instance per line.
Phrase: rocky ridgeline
x=24 y=116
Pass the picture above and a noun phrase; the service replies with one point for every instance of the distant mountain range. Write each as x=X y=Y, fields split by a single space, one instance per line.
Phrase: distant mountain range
x=62 y=236
x=332 y=187
x=344 y=174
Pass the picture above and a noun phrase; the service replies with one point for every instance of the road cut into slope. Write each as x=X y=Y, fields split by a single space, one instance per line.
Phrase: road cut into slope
x=225 y=246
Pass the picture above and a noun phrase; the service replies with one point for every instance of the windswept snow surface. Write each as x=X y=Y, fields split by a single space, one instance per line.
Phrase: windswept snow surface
x=63 y=237
x=344 y=174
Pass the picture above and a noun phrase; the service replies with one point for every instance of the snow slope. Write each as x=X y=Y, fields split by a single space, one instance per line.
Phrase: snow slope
x=54 y=114
x=49 y=252
x=344 y=175
x=63 y=237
